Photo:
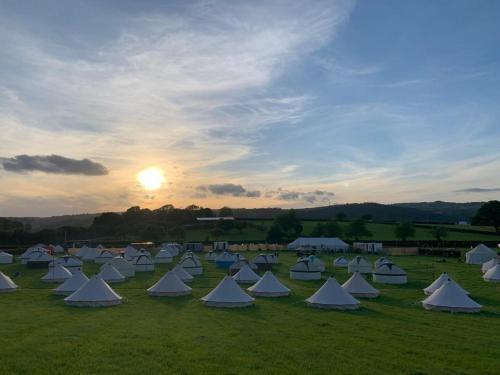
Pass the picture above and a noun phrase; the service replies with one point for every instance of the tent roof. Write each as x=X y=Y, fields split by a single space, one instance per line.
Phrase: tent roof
x=482 y=249
x=6 y=282
x=436 y=284
x=268 y=283
x=493 y=274
x=227 y=291
x=358 y=285
x=57 y=272
x=246 y=274
x=389 y=269
x=169 y=283
x=182 y=273
x=109 y=272
x=331 y=293
x=452 y=296
x=73 y=283
x=94 y=290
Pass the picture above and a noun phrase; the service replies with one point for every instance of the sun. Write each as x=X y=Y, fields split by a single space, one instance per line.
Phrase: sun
x=151 y=178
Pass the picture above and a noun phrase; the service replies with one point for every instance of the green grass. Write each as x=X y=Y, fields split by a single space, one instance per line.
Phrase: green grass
x=388 y=335
x=380 y=232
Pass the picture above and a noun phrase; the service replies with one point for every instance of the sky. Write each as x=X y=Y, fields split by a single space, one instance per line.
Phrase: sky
x=247 y=104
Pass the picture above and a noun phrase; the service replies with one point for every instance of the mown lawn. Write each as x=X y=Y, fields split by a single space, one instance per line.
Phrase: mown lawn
x=388 y=335
x=380 y=232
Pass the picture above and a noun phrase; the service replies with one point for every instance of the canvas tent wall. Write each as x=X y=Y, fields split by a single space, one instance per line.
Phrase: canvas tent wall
x=6 y=258
x=319 y=243
x=480 y=254
x=269 y=286
x=450 y=297
x=302 y=271
x=6 y=284
x=94 y=293
x=227 y=294
x=332 y=296
x=170 y=285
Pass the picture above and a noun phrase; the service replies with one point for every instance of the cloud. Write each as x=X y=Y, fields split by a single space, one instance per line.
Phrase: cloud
x=53 y=164
x=229 y=189
x=477 y=190
x=316 y=196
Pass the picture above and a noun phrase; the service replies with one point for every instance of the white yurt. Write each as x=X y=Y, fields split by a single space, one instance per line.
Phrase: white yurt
x=143 y=263
x=489 y=264
x=269 y=286
x=182 y=274
x=58 y=249
x=72 y=284
x=56 y=274
x=450 y=297
x=6 y=258
x=104 y=257
x=91 y=254
x=211 y=256
x=382 y=260
x=479 y=255
x=110 y=274
x=130 y=252
x=227 y=294
x=189 y=254
x=389 y=273
x=191 y=265
x=80 y=253
x=302 y=271
x=265 y=259
x=170 y=285
x=436 y=284
x=246 y=275
x=332 y=296
x=358 y=287
x=316 y=263
x=341 y=262
x=493 y=274
x=38 y=259
x=236 y=266
x=173 y=248
x=123 y=266
x=6 y=284
x=94 y=293
x=359 y=264
x=69 y=262
x=163 y=256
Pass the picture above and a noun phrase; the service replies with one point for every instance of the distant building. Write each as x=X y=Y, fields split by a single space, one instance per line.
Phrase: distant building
x=463 y=222
x=318 y=243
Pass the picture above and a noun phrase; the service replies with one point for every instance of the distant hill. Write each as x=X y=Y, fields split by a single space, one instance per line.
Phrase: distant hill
x=432 y=212
x=54 y=222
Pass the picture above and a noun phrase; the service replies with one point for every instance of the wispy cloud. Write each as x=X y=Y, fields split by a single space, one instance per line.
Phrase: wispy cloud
x=477 y=190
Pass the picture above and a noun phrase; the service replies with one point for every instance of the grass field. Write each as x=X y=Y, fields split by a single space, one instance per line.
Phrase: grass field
x=389 y=335
x=380 y=232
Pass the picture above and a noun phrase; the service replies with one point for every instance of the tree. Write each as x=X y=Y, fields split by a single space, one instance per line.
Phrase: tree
x=240 y=225
x=488 y=214
x=367 y=217
x=318 y=230
x=177 y=233
x=333 y=229
x=217 y=233
x=341 y=216
x=357 y=228
x=404 y=230
x=439 y=233
x=225 y=212
x=275 y=233
x=153 y=232
x=289 y=223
